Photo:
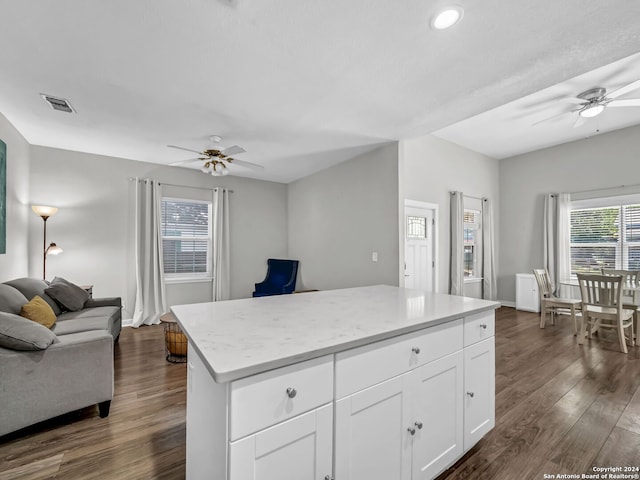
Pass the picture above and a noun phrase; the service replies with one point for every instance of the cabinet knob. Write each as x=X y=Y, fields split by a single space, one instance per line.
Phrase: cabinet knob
x=411 y=430
x=470 y=394
x=419 y=425
x=291 y=392
x=483 y=325
x=415 y=350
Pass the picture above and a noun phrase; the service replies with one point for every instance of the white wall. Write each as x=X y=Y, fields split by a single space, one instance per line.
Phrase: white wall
x=15 y=262
x=338 y=217
x=431 y=168
x=602 y=161
x=93 y=224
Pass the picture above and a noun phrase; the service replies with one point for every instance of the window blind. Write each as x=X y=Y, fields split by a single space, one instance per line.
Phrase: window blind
x=605 y=237
x=186 y=237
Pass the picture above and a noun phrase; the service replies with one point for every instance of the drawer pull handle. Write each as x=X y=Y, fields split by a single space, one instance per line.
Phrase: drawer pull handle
x=483 y=325
x=470 y=394
x=419 y=425
x=415 y=350
x=411 y=430
x=291 y=392
x=328 y=477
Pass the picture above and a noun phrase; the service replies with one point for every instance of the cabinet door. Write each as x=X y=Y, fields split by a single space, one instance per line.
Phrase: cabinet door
x=372 y=441
x=437 y=415
x=298 y=449
x=480 y=391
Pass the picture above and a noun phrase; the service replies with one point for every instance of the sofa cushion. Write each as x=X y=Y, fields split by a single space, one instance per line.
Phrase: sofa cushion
x=30 y=287
x=99 y=318
x=81 y=325
x=18 y=333
x=106 y=311
x=67 y=294
x=11 y=300
x=39 y=311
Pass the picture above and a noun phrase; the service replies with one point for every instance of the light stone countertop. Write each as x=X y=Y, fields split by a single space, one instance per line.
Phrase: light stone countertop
x=238 y=338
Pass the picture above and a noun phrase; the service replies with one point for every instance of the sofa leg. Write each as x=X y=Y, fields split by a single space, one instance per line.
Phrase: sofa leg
x=103 y=407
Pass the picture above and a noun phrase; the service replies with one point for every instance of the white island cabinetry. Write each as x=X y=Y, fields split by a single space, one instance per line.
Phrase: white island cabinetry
x=368 y=383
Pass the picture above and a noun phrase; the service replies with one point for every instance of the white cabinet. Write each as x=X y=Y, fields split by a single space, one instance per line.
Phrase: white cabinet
x=527 y=293
x=437 y=410
x=371 y=440
x=274 y=425
x=408 y=427
x=297 y=449
x=479 y=391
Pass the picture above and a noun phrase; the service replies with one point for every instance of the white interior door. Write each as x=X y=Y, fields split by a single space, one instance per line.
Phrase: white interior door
x=419 y=246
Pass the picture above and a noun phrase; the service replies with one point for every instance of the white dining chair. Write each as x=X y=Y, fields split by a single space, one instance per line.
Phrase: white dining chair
x=602 y=307
x=552 y=305
x=630 y=295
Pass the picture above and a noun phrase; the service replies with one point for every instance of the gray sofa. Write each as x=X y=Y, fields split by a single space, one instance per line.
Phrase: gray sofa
x=73 y=372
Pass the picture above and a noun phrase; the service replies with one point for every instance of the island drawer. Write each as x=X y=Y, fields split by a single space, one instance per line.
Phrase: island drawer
x=362 y=367
x=478 y=327
x=268 y=398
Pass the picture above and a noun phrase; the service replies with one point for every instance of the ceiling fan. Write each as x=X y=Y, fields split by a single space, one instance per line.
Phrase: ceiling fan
x=217 y=158
x=594 y=101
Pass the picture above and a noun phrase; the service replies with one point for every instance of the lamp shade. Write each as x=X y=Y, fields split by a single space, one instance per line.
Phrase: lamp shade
x=53 y=249
x=43 y=210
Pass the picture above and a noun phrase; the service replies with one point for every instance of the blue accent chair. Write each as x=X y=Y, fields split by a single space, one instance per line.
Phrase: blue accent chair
x=280 y=279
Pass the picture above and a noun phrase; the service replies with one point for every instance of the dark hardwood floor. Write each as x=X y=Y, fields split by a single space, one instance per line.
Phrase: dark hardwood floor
x=561 y=408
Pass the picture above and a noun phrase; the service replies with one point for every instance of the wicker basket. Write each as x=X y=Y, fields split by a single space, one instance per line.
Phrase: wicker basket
x=175 y=341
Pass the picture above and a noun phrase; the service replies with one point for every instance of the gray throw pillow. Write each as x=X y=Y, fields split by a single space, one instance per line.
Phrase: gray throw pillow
x=18 y=333
x=11 y=300
x=67 y=294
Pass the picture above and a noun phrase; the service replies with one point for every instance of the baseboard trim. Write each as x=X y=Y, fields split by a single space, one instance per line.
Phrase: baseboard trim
x=508 y=304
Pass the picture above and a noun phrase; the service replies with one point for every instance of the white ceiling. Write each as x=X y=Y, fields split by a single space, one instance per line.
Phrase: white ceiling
x=300 y=84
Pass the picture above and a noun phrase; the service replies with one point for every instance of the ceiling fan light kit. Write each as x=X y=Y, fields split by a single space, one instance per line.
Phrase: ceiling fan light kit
x=447 y=17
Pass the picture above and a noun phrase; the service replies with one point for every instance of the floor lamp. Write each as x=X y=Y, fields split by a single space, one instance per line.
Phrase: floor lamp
x=44 y=213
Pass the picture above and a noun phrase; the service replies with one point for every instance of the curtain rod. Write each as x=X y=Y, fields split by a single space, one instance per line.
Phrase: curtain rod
x=468 y=196
x=132 y=179
x=606 y=188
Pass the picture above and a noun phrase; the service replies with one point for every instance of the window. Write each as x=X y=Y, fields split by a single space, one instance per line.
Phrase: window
x=186 y=238
x=471 y=243
x=605 y=237
x=416 y=227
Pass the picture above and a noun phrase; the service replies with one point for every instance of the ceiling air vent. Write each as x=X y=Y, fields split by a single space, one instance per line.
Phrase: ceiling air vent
x=58 y=103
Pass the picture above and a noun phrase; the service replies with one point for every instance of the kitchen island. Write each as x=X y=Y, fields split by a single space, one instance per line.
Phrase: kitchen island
x=363 y=383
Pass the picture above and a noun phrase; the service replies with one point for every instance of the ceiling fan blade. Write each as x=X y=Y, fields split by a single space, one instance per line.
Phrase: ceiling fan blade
x=554 y=117
x=579 y=121
x=245 y=164
x=187 y=149
x=626 y=102
x=182 y=162
x=627 y=88
x=233 y=150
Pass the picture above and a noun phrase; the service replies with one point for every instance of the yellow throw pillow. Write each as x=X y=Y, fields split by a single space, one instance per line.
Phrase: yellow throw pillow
x=39 y=311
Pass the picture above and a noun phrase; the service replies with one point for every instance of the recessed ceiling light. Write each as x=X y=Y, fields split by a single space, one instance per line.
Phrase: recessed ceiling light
x=447 y=17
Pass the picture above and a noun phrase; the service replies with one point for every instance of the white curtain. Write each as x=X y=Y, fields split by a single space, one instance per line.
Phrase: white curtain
x=150 y=294
x=221 y=276
x=556 y=241
x=488 y=267
x=456 y=271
